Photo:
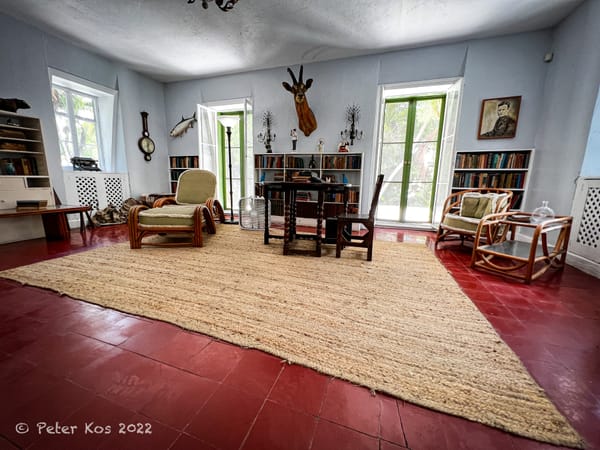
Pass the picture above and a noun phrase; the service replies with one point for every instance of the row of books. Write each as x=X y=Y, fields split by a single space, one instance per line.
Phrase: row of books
x=295 y=163
x=500 y=160
x=342 y=162
x=268 y=162
x=485 y=179
x=329 y=162
x=339 y=197
x=19 y=166
x=184 y=162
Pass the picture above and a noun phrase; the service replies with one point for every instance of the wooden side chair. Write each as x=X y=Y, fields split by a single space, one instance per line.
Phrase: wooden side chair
x=345 y=238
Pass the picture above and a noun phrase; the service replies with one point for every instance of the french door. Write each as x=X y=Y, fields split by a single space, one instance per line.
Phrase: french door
x=214 y=153
x=238 y=167
x=409 y=155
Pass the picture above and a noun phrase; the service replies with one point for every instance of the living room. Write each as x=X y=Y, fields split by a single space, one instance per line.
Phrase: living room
x=552 y=325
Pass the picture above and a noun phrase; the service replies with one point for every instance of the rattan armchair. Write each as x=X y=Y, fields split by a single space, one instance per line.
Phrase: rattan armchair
x=464 y=210
x=191 y=210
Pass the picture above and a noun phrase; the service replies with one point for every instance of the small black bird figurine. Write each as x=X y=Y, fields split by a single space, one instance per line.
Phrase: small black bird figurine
x=12 y=104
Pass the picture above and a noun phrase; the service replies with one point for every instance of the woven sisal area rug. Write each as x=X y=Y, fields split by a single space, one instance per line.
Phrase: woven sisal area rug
x=399 y=324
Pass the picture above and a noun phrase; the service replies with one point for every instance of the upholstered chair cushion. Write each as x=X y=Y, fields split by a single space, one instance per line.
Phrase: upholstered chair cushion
x=195 y=187
x=170 y=215
x=477 y=205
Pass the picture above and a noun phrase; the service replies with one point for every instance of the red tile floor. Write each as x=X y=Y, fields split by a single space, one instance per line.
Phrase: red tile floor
x=130 y=382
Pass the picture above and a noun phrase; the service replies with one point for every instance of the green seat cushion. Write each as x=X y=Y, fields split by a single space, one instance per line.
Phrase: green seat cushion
x=170 y=215
x=461 y=223
x=478 y=205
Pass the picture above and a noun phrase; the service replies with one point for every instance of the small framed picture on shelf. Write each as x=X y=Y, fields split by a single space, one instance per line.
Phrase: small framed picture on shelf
x=499 y=118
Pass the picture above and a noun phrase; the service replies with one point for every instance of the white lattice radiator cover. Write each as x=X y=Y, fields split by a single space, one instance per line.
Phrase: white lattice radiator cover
x=585 y=236
x=96 y=189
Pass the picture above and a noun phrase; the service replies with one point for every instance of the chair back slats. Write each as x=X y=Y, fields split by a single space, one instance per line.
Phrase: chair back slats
x=375 y=198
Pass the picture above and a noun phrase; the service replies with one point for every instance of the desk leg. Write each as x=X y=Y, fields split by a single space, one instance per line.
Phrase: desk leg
x=56 y=226
x=319 y=237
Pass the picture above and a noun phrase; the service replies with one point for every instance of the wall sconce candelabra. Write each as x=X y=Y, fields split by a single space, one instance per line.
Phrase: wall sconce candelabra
x=352 y=116
x=224 y=5
x=265 y=136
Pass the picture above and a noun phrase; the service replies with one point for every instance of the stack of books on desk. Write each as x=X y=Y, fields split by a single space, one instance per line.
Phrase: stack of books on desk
x=31 y=204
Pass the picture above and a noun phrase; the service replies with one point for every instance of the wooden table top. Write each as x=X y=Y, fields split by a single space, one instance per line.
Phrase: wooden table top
x=14 y=212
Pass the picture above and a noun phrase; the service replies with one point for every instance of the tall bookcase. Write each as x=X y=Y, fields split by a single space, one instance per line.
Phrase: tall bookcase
x=23 y=168
x=178 y=165
x=333 y=167
x=507 y=169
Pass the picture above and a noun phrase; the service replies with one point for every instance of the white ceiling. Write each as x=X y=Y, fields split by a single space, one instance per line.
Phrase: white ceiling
x=172 y=40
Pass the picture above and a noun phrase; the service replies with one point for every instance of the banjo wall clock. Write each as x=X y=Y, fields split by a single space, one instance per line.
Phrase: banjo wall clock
x=146 y=144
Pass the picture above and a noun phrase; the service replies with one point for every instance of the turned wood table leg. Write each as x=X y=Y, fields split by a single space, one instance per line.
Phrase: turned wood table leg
x=287 y=222
x=318 y=238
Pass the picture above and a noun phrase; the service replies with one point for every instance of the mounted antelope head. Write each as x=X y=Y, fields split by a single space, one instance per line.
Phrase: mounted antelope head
x=306 y=119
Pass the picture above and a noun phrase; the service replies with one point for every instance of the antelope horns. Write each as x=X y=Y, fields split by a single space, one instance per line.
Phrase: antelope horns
x=294 y=82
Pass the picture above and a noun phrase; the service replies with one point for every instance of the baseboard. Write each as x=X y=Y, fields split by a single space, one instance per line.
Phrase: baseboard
x=585 y=265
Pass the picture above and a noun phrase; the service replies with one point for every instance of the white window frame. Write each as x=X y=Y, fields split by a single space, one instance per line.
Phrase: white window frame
x=105 y=112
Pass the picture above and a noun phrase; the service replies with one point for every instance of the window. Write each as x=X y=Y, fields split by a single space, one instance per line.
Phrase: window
x=85 y=120
x=76 y=115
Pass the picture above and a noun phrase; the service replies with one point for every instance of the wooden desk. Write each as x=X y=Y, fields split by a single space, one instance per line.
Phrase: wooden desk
x=289 y=190
x=54 y=219
x=496 y=250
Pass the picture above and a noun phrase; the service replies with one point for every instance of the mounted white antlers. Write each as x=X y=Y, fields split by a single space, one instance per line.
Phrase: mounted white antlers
x=306 y=119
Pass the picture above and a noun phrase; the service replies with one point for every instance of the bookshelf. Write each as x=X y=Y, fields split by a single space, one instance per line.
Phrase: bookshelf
x=23 y=168
x=507 y=169
x=333 y=167
x=178 y=165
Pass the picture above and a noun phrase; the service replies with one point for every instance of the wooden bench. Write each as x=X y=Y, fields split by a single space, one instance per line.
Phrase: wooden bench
x=54 y=218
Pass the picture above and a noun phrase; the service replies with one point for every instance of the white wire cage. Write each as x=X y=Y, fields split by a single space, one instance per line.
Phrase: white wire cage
x=252 y=213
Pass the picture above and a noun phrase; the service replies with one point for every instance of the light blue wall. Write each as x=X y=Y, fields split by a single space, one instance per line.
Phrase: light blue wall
x=505 y=66
x=26 y=53
x=570 y=93
x=591 y=161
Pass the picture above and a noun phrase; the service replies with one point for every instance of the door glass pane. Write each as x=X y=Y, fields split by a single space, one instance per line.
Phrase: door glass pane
x=427 y=120
x=235 y=162
x=388 y=207
x=423 y=161
x=392 y=162
x=236 y=194
x=418 y=200
x=394 y=125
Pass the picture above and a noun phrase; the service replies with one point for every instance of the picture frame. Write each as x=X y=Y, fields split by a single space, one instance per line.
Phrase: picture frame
x=499 y=117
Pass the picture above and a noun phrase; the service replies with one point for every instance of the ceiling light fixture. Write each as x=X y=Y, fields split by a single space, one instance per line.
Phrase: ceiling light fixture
x=224 y=5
